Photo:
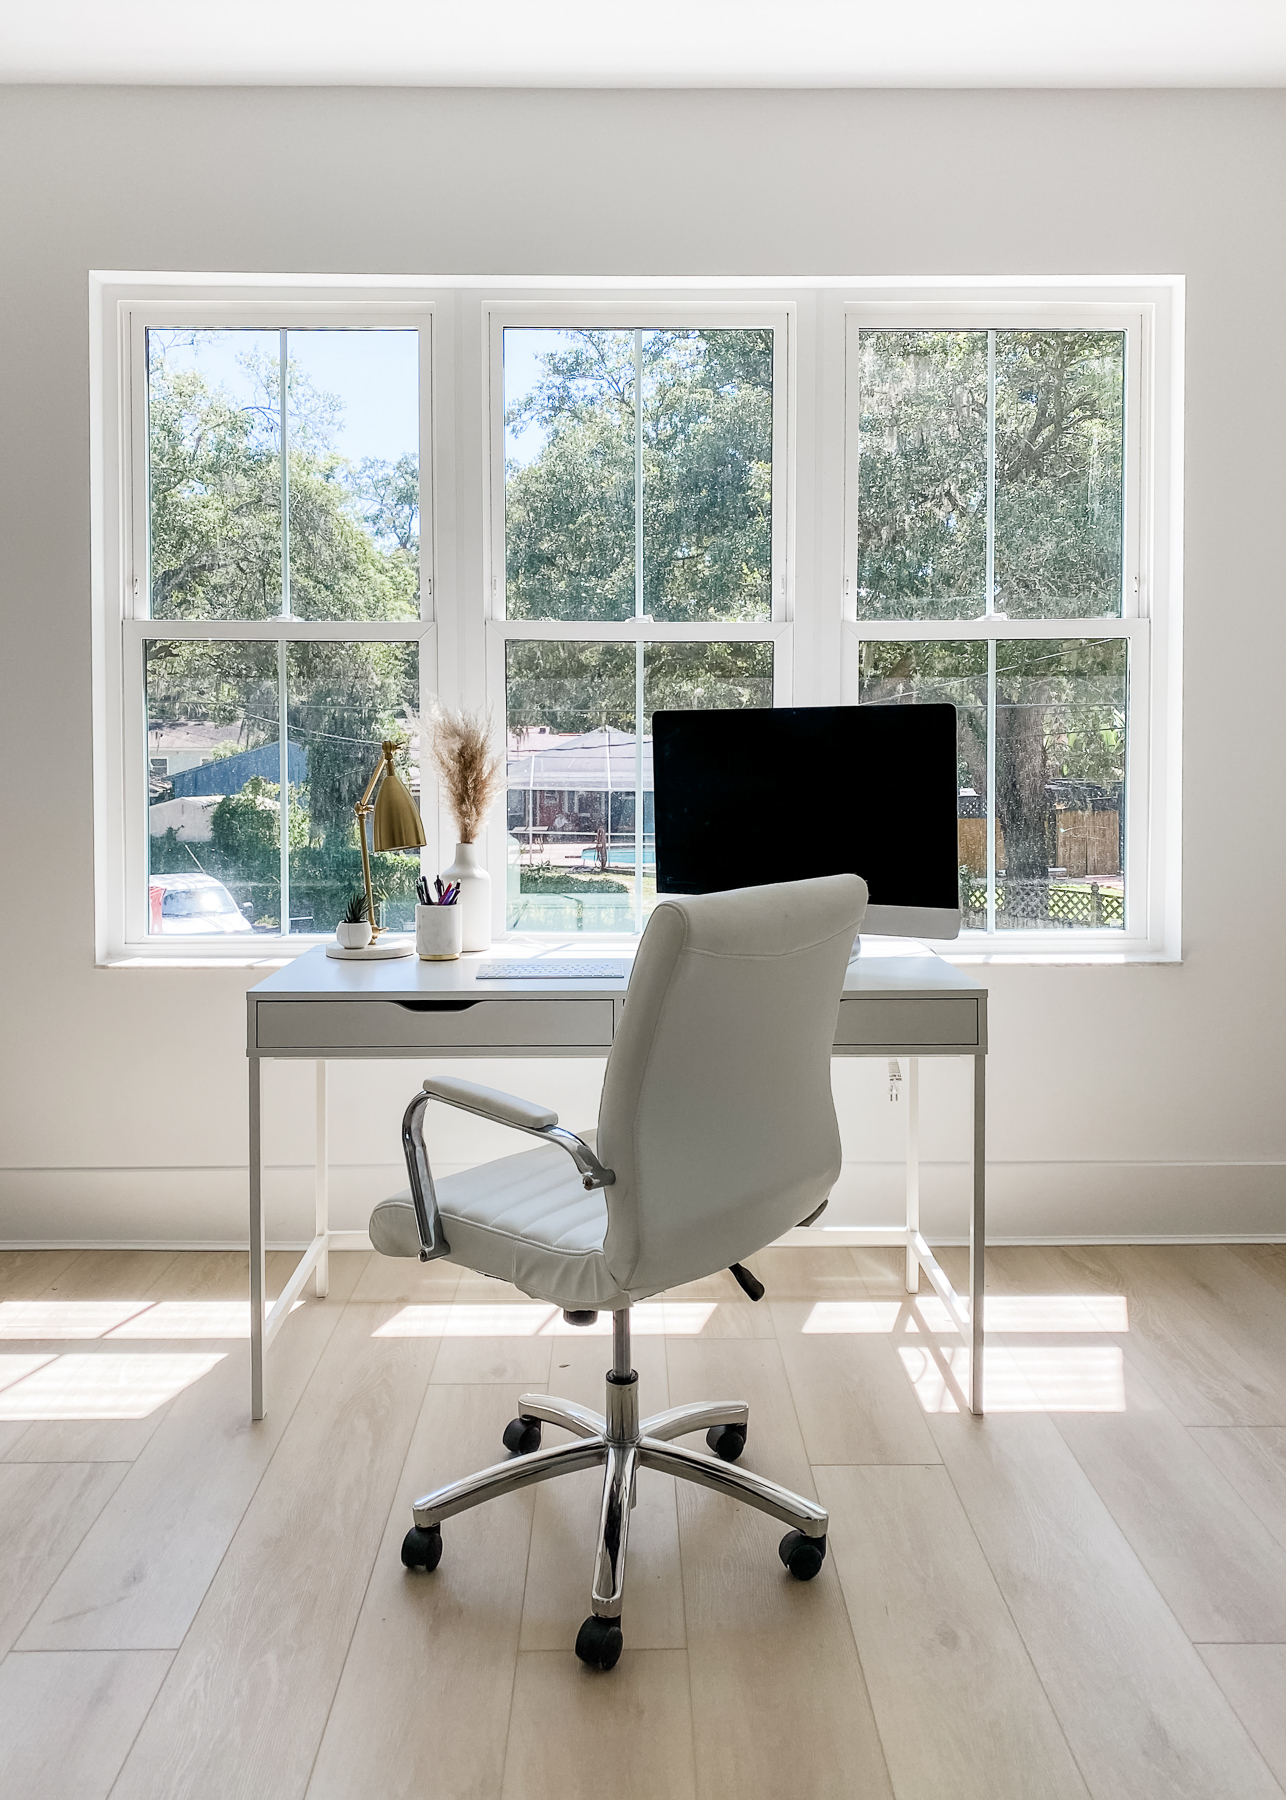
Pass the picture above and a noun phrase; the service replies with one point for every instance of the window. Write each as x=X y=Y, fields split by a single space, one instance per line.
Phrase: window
x=680 y=495
x=638 y=565
x=280 y=613
x=995 y=561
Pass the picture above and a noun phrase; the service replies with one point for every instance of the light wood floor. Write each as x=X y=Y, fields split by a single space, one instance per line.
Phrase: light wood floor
x=1082 y=1594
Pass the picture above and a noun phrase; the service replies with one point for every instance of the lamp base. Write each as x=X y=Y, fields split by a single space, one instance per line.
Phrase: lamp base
x=379 y=951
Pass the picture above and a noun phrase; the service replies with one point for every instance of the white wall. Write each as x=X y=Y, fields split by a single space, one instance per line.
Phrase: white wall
x=1124 y=1101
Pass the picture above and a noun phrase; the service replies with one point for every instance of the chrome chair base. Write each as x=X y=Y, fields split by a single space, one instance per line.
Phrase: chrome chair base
x=623 y=1444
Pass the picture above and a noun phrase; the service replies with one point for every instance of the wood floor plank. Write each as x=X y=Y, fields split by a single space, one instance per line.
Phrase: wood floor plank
x=575 y=1734
x=1217 y=1566
x=110 y=1275
x=804 y=1273
x=559 y=1570
x=1253 y=1459
x=1135 y=1701
x=245 y=1702
x=67 y=1720
x=406 y=1278
x=25 y=1274
x=141 y=1571
x=1253 y=1676
x=779 y=1703
x=1241 y=1304
x=959 y=1706
x=851 y=1392
x=1195 y=1370
x=47 y=1508
x=423 y=1703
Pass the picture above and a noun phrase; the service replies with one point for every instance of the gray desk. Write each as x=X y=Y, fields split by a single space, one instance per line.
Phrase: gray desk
x=900 y=1000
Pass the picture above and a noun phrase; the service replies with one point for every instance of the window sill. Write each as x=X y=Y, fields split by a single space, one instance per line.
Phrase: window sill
x=277 y=952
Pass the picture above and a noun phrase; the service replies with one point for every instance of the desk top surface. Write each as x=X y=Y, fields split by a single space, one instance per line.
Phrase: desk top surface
x=885 y=968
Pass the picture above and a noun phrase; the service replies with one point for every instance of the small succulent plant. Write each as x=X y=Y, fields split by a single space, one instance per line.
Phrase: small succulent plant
x=355 y=911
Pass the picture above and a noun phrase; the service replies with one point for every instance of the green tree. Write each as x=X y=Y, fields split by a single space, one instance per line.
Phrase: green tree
x=707 y=479
x=215 y=503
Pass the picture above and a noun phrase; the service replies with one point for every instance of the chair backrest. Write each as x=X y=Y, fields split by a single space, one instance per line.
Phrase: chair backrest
x=717 y=1114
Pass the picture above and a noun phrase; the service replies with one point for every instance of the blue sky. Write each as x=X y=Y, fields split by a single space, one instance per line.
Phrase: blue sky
x=374 y=373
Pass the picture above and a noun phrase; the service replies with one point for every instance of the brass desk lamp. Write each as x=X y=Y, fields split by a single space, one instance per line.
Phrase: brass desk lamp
x=397 y=824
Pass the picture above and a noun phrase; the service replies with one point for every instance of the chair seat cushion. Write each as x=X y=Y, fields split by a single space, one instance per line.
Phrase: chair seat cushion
x=526 y=1219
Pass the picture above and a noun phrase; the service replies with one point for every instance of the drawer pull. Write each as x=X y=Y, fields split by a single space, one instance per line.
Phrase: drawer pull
x=436 y=1006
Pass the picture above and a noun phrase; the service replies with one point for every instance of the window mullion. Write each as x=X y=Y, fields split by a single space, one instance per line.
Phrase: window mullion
x=991 y=642
x=638 y=646
x=283 y=734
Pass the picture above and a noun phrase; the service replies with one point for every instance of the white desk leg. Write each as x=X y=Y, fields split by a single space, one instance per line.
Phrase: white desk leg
x=912 y=1172
x=256 y=1246
x=321 y=1188
x=978 y=1231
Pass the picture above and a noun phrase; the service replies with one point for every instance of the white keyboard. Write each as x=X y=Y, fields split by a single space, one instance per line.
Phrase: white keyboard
x=533 y=969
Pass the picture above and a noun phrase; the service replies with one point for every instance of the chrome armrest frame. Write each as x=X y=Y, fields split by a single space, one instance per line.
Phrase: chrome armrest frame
x=424 y=1197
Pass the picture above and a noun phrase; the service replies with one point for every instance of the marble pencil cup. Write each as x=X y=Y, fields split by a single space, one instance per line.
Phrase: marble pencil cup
x=437 y=933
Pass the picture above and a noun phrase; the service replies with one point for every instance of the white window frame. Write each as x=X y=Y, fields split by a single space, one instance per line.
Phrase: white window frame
x=611 y=314
x=1148 y=621
x=814 y=628
x=125 y=313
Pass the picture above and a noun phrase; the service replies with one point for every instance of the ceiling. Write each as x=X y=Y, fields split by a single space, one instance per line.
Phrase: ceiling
x=666 y=43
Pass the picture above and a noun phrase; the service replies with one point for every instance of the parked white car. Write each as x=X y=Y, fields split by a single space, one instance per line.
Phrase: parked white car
x=187 y=904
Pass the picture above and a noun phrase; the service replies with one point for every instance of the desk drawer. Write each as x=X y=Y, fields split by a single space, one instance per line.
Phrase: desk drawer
x=392 y=1025
x=896 y=1022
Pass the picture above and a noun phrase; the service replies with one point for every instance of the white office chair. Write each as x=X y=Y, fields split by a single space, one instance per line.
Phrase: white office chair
x=716 y=1133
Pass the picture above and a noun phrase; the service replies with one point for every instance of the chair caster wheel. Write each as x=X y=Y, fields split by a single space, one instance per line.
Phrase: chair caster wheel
x=803 y=1556
x=422 y=1547
x=727 y=1441
x=599 y=1643
x=522 y=1435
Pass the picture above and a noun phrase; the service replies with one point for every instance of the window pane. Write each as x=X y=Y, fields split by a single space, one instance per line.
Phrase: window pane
x=214 y=474
x=354 y=433
x=1060 y=770
x=1060 y=425
x=571 y=529
x=1060 y=783
x=904 y=674
x=214 y=435
x=571 y=766
x=214 y=819
x=343 y=701
x=922 y=479
x=569 y=474
x=707 y=474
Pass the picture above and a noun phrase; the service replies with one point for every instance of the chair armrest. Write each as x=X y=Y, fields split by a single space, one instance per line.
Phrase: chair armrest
x=490 y=1103
x=522 y=1115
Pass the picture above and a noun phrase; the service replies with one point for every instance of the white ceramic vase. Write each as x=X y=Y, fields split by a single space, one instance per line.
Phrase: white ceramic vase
x=437 y=932
x=474 y=902
x=355 y=936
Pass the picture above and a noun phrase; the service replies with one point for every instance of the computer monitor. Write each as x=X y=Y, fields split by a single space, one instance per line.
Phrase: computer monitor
x=744 y=798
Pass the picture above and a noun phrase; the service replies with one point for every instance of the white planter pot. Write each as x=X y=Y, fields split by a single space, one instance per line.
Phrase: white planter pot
x=474 y=902
x=354 y=937
x=437 y=932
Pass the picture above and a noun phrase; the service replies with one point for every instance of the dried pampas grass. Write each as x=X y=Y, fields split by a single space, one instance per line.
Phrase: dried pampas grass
x=469 y=767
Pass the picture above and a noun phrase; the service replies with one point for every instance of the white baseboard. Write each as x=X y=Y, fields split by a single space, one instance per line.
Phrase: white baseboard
x=1027 y=1203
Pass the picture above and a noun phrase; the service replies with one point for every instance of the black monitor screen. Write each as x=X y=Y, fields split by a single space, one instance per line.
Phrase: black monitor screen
x=748 y=797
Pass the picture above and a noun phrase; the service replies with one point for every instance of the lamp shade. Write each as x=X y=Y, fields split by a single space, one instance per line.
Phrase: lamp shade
x=397 y=824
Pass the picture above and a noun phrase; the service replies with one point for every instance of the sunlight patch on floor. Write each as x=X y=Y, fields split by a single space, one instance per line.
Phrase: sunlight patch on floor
x=14 y=1368
x=1096 y=1313
x=673 y=1318
x=1019 y=1378
x=49 y=1320
x=64 y=1318
x=101 y=1386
